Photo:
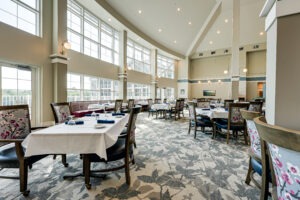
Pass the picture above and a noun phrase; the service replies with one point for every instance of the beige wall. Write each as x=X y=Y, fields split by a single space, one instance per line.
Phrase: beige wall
x=256 y=65
x=23 y=48
x=221 y=89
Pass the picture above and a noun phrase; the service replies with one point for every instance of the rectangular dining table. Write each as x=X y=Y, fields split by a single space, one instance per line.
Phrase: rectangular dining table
x=215 y=113
x=76 y=139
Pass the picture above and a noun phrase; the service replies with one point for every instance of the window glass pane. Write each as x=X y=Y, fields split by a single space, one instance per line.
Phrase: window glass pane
x=106 y=54
x=91 y=31
x=9 y=72
x=74 y=22
x=106 y=39
x=73 y=81
x=75 y=41
x=73 y=95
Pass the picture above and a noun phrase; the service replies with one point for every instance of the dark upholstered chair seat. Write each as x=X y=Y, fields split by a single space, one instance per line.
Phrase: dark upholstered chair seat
x=8 y=157
x=115 y=152
x=224 y=125
x=257 y=167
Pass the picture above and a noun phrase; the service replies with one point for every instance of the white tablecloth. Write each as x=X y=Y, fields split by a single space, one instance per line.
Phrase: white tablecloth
x=102 y=106
x=213 y=113
x=77 y=139
x=143 y=103
x=162 y=106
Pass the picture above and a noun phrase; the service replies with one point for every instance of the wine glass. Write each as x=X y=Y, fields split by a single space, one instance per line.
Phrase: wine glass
x=71 y=120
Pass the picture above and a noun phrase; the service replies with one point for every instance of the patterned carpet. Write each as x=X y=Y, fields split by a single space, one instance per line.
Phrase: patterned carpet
x=170 y=164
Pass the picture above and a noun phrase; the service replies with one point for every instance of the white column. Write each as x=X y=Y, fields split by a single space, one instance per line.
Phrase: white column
x=235 y=64
x=123 y=66
x=154 y=79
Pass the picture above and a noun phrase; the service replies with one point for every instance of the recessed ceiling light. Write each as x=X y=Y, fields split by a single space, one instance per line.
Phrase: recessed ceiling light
x=175 y=41
x=159 y=30
x=178 y=9
x=226 y=20
x=225 y=71
x=140 y=11
x=190 y=23
x=109 y=19
x=210 y=42
x=218 y=31
x=261 y=33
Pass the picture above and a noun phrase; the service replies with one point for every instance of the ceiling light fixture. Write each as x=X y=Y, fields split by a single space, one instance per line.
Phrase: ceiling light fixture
x=226 y=20
x=178 y=9
x=65 y=46
x=261 y=33
x=245 y=70
x=199 y=82
x=159 y=30
x=225 y=71
x=218 y=31
x=190 y=23
x=210 y=42
x=208 y=82
x=109 y=19
x=175 y=41
x=219 y=81
x=140 y=11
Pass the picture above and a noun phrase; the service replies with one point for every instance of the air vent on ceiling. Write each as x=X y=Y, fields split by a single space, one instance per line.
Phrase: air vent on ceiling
x=200 y=54
x=213 y=52
x=255 y=46
x=241 y=48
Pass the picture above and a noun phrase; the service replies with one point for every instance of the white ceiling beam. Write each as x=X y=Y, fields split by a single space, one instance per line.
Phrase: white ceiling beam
x=133 y=28
x=210 y=20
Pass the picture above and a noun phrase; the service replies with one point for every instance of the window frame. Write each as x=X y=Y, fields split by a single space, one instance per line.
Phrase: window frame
x=85 y=16
x=165 y=66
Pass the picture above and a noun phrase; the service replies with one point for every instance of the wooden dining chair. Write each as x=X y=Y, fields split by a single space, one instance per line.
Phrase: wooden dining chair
x=197 y=121
x=150 y=110
x=174 y=111
x=254 y=151
x=282 y=145
x=14 y=128
x=203 y=104
x=234 y=124
x=130 y=105
x=256 y=106
x=118 y=105
x=121 y=150
x=227 y=102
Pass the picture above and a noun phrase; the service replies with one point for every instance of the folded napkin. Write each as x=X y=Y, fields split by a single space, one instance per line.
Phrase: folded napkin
x=77 y=122
x=116 y=114
x=205 y=108
x=90 y=115
x=105 y=121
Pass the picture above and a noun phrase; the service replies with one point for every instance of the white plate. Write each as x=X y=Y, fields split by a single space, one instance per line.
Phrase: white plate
x=118 y=116
x=99 y=126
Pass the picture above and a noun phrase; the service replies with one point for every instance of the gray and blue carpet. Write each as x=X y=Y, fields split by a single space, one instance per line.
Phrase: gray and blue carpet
x=170 y=164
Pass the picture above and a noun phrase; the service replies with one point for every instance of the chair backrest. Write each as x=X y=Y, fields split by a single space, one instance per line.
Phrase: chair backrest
x=181 y=106
x=118 y=105
x=256 y=106
x=241 y=99
x=177 y=104
x=201 y=99
x=234 y=115
x=157 y=101
x=61 y=111
x=130 y=103
x=192 y=110
x=130 y=137
x=165 y=100
x=14 y=122
x=227 y=102
x=283 y=146
x=255 y=146
x=203 y=104
x=150 y=103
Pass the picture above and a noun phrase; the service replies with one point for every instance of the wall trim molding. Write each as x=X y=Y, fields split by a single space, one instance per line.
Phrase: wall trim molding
x=222 y=80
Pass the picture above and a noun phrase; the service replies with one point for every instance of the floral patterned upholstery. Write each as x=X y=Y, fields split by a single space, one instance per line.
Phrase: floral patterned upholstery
x=236 y=116
x=118 y=105
x=14 y=124
x=286 y=165
x=192 y=111
x=254 y=138
x=62 y=112
x=130 y=103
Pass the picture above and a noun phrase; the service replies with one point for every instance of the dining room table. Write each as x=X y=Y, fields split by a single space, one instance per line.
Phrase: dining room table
x=215 y=113
x=92 y=134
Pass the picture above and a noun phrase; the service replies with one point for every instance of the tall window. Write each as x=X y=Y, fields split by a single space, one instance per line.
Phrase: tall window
x=138 y=57
x=22 y=14
x=165 y=66
x=138 y=91
x=168 y=93
x=82 y=87
x=17 y=85
x=91 y=36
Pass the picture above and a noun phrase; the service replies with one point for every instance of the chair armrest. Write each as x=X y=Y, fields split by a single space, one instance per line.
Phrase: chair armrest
x=12 y=140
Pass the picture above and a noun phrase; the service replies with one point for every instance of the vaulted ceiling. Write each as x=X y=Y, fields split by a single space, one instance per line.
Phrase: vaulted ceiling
x=182 y=27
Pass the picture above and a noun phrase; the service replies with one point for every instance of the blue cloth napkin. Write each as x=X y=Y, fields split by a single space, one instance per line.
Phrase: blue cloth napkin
x=116 y=114
x=78 y=122
x=90 y=115
x=104 y=121
x=205 y=108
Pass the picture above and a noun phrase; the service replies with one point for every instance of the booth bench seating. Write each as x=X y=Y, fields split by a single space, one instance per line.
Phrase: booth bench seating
x=80 y=108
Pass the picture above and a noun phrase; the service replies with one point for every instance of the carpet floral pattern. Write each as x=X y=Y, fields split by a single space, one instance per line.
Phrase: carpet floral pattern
x=170 y=164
